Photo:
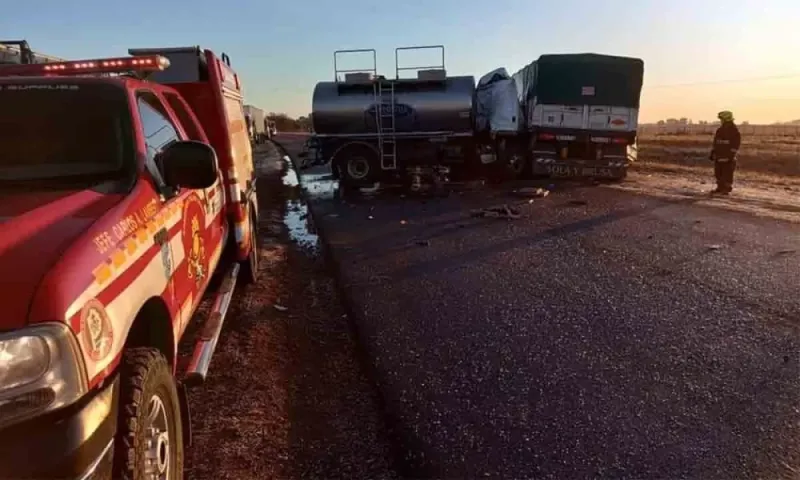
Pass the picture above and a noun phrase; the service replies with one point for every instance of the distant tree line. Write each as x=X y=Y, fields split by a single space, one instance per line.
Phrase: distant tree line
x=285 y=123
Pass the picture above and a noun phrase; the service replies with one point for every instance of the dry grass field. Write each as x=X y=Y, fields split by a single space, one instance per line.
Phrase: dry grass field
x=772 y=155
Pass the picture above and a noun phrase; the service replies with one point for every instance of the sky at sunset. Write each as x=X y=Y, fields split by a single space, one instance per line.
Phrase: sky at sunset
x=700 y=56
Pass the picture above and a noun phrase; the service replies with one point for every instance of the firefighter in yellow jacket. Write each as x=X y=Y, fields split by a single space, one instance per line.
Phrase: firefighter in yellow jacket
x=727 y=141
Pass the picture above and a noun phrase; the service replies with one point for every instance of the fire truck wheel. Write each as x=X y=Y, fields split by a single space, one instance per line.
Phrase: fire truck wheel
x=250 y=266
x=149 y=443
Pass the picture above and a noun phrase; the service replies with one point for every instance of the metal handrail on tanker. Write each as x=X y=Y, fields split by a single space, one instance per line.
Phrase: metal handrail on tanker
x=18 y=52
x=373 y=70
x=398 y=68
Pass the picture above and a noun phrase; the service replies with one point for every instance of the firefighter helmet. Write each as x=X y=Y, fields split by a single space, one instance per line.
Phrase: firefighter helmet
x=725 y=116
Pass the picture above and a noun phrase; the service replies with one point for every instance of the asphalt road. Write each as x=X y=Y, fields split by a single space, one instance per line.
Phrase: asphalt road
x=603 y=334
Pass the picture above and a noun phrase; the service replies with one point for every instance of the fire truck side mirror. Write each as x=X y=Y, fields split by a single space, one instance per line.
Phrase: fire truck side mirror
x=189 y=164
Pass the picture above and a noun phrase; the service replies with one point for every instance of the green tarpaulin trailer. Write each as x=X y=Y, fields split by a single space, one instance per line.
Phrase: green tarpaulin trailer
x=581 y=112
x=583 y=79
x=570 y=82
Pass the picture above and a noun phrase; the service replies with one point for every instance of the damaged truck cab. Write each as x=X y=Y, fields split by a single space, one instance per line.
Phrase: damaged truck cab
x=125 y=184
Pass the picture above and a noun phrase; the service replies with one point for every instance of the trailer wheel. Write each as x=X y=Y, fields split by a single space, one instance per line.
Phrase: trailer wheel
x=149 y=442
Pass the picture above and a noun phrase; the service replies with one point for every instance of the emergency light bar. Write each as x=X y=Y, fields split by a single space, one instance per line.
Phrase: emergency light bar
x=150 y=63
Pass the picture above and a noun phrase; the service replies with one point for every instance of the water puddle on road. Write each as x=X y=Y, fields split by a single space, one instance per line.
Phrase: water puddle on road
x=290 y=176
x=320 y=186
x=300 y=226
x=297 y=218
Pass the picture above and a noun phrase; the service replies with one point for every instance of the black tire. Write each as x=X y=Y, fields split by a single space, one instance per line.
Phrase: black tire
x=250 y=266
x=621 y=177
x=510 y=164
x=512 y=159
x=516 y=165
x=145 y=377
x=359 y=166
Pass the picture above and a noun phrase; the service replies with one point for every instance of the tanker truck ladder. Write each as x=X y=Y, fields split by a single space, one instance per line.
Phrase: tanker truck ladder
x=386 y=125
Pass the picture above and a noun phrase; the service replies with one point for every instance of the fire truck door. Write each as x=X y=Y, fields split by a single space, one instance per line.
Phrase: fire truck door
x=187 y=247
x=213 y=197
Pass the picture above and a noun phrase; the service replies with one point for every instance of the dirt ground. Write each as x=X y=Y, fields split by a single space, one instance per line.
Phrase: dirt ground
x=286 y=396
x=767 y=180
x=770 y=155
x=756 y=193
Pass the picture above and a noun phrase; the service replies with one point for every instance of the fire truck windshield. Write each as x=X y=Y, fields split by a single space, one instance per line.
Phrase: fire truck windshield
x=62 y=130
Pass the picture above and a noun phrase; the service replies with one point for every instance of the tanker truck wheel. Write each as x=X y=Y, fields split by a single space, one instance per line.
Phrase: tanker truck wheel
x=359 y=167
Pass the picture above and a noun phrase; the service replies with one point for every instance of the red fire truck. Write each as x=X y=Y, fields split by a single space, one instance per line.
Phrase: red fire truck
x=124 y=185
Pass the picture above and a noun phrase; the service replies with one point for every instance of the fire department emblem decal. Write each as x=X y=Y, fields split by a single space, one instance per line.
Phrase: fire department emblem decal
x=197 y=253
x=96 y=330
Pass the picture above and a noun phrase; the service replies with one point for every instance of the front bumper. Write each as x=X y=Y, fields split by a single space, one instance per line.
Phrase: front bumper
x=75 y=443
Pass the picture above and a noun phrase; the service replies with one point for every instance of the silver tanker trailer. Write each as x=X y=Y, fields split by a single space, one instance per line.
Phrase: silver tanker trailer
x=371 y=128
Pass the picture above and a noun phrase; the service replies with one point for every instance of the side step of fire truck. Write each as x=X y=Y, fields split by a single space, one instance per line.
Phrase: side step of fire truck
x=209 y=335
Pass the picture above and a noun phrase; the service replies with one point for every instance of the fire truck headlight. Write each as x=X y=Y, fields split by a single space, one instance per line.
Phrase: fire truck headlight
x=22 y=360
x=40 y=370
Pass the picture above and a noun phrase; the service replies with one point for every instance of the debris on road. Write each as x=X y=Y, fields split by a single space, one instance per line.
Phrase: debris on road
x=714 y=247
x=370 y=190
x=528 y=192
x=502 y=211
x=280 y=308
